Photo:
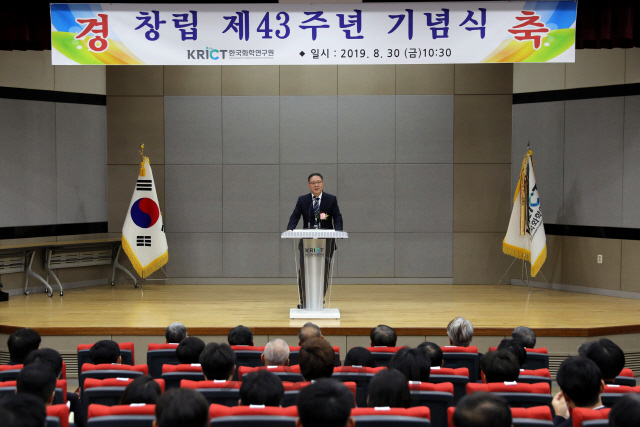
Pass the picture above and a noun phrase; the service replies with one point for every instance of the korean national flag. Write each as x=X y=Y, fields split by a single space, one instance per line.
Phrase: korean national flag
x=143 y=237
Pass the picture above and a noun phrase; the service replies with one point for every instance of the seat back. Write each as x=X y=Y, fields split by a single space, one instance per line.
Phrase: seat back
x=625 y=380
x=390 y=421
x=253 y=421
x=436 y=401
x=595 y=423
x=248 y=355
x=285 y=373
x=122 y=421
x=61 y=412
x=172 y=379
x=126 y=352
x=580 y=415
x=533 y=379
x=383 y=355
x=537 y=416
x=470 y=361
x=106 y=396
x=526 y=400
x=157 y=358
x=459 y=384
x=221 y=396
x=53 y=421
x=101 y=374
x=536 y=361
x=9 y=375
x=360 y=376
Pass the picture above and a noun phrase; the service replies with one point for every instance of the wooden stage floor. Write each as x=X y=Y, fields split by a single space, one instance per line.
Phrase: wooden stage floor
x=410 y=309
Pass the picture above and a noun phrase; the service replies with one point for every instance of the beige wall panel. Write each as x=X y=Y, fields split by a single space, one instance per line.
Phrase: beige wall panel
x=560 y=345
x=628 y=342
x=192 y=80
x=409 y=340
x=211 y=338
x=482 y=129
x=139 y=80
x=632 y=65
x=478 y=258
x=308 y=80
x=131 y=121
x=69 y=344
x=82 y=79
x=250 y=80
x=552 y=267
x=358 y=341
x=29 y=69
x=630 y=267
x=340 y=341
x=482 y=79
x=579 y=266
x=596 y=67
x=484 y=342
x=538 y=77
x=481 y=200
x=440 y=340
x=122 y=182
x=424 y=79
x=366 y=80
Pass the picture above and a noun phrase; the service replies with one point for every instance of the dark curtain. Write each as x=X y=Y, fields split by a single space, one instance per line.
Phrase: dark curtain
x=601 y=24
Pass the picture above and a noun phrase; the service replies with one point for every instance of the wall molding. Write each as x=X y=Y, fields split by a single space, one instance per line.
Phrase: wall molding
x=592 y=231
x=53 y=230
x=578 y=289
x=52 y=96
x=578 y=93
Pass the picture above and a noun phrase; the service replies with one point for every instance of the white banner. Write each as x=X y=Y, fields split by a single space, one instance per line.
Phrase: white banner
x=313 y=34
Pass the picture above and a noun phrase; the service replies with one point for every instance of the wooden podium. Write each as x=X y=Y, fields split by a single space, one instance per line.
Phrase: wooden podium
x=314 y=244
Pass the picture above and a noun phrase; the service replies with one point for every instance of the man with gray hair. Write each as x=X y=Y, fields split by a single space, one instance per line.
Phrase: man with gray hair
x=460 y=332
x=175 y=333
x=525 y=335
x=276 y=353
x=308 y=331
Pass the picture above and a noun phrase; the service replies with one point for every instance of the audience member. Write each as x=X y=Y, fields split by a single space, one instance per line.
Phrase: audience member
x=308 y=331
x=105 y=351
x=360 y=356
x=460 y=332
x=389 y=387
x=525 y=335
x=189 y=350
x=21 y=343
x=38 y=380
x=143 y=389
x=413 y=363
x=317 y=359
x=482 y=409
x=175 y=333
x=48 y=357
x=515 y=347
x=218 y=362
x=626 y=411
x=276 y=353
x=499 y=366
x=181 y=407
x=580 y=382
x=240 y=335
x=325 y=403
x=383 y=336
x=22 y=410
x=607 y=355
x=433 y=352
x=261 y=388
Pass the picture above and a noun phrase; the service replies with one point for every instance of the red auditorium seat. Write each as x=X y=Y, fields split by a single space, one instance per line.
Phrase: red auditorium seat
x=107 y=370
x=542 y=413
x=121 y=415
x=613 y=392
x=437 y=397
x=9 y=387
x=257 y=415
x=173 y=374
x=161 y=354
x=462 y=357
x=626 y=377
x=579 y=415
x=537 y=358
x=9 y=372
x=534 y=376
x=520 y=395
x=61 y=412
x=360 y=376
x=291 y=391
x=285 y=373
x=107 y=391
x=126 y=352
x=383 y=355
x=400 y=417
x=459 y=377
x=220 y=392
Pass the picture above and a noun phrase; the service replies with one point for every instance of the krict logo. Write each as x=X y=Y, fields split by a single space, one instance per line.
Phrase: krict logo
x=208 y=53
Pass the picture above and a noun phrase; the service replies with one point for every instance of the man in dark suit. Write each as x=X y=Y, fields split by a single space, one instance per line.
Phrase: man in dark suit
x=581 y=384
x=318 y=210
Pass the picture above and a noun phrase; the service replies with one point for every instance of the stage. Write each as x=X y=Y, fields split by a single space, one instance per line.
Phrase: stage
x=562 y=320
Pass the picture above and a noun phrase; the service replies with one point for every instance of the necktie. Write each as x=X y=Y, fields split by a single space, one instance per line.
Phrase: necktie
x=316 y=207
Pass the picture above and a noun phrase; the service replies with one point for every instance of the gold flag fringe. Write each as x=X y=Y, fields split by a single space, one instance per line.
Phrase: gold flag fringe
x=537 y=265
x=143 y=170
x=147 y=270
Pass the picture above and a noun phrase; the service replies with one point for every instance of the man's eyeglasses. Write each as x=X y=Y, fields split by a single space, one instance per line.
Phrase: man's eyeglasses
x=315 y=183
